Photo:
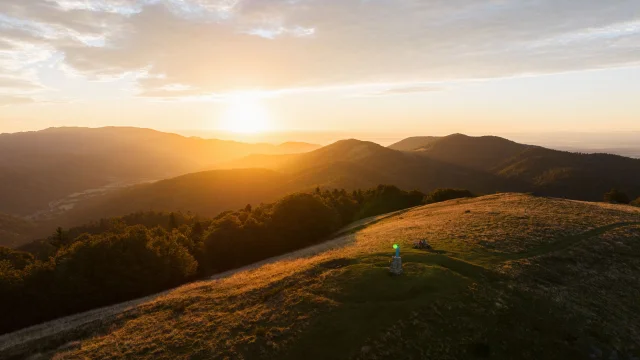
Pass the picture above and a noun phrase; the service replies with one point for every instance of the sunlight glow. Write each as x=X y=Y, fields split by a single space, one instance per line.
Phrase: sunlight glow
x=245 y=114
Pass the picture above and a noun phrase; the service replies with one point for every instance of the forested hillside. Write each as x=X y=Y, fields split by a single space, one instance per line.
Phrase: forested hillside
x=118 y=259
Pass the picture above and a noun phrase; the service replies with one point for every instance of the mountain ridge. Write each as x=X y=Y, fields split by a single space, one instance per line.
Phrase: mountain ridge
x=353 y=164
x=37 y=168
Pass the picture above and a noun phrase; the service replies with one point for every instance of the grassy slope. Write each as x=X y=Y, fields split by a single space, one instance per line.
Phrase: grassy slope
x=513 y=276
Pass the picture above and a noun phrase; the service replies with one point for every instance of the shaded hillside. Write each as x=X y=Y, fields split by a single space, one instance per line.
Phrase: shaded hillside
x=258 y=161
x=122 y=258
x=348 y=164
x=413 y=143
x=15 y=231
x=482 y=165
x=205 y=193
x=354 y=164
x=511 y=276
x=37 y=168
x=481 y=153
x=544 y=171
x=556 y=171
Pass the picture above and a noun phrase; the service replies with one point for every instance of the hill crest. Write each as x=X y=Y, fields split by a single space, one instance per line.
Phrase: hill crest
x=499 y=262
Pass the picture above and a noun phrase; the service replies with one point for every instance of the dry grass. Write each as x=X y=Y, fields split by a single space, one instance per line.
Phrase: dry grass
x=506 y=223
x=507 y=265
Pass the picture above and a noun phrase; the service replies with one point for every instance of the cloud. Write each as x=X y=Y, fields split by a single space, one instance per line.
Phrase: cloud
x=7 y=82
x=14 y=100
x=214 y=46
x=408 y=89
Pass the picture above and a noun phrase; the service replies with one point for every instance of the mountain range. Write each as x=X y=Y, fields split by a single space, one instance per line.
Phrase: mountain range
x=253 y=173
x=39 y=168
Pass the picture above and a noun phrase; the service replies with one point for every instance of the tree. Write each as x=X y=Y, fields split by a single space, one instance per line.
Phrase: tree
x=122 y=258
x=59 y=238
x=197 y=230
x=615 y=196
x=173 y=223
x=440 y=195
x=302 y=218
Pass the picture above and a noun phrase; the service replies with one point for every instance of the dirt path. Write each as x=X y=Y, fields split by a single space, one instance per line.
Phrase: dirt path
x=61 y=328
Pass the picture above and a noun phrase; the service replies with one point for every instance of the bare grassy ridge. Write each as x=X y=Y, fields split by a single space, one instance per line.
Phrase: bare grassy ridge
x=514 y=276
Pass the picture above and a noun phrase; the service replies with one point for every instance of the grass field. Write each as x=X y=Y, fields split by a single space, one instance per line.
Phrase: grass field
x=512 y=277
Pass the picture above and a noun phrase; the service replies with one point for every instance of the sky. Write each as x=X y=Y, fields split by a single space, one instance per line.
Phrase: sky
x=423 y=67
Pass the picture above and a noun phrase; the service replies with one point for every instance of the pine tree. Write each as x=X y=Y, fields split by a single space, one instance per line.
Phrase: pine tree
x=173 y=223
x=59 y=238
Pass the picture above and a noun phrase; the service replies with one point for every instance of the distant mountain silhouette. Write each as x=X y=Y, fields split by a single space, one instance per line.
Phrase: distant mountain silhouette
x=481 y=153
x=37 y=168
x=348 y=164
x=482 y=165
x=544 y=171
x=413 y=143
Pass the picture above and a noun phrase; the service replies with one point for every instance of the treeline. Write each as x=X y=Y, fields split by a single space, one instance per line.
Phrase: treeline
x=618 y=197
x=118 y=259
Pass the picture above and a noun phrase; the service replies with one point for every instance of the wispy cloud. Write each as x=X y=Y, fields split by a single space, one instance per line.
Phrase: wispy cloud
x=15 y=100
x=404 y=90
x=214 y=46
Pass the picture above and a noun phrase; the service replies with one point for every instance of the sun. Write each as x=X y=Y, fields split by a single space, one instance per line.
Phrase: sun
x=245 y=114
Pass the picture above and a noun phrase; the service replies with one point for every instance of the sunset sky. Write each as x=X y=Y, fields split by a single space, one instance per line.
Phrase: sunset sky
x=403 y=66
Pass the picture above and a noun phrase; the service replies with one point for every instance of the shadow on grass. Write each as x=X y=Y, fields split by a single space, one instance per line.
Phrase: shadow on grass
x=368 y=300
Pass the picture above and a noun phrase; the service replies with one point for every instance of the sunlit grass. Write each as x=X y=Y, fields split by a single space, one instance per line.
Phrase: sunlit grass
x=486 y=282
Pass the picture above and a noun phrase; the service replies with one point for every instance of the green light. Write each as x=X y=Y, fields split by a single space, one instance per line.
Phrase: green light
x=395 y=246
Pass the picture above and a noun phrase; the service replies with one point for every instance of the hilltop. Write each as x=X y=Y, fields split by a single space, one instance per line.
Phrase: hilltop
x=511 y=276
x=413 y=143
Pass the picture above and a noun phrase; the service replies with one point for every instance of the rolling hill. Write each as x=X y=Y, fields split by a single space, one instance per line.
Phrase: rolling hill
x=205 y=193
x=483 y=165
x=348 y=164
x=544 y=171
x=510 y=276
x=413 y=143
x=481 y=153
x=39 y=168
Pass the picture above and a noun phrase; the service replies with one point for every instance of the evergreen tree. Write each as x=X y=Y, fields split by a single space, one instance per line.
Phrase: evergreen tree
x=173 y=223
x=59 y=238
x=615 y=196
